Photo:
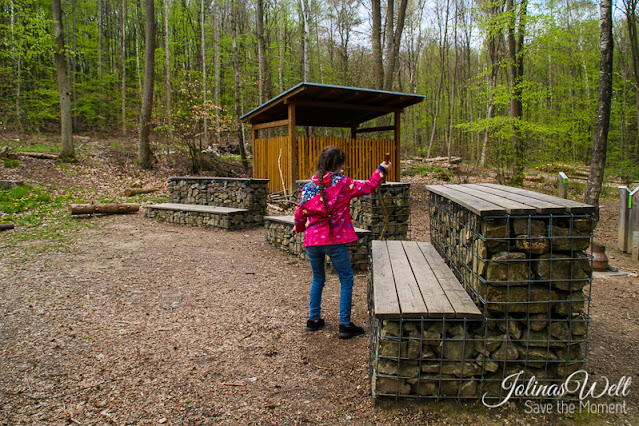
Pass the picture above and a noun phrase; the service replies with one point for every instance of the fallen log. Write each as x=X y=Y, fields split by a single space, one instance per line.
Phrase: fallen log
x=40 y=155
x=10 y=184
x=453 y=160
x=136 y=191
x=104 y=208
x=6 y=226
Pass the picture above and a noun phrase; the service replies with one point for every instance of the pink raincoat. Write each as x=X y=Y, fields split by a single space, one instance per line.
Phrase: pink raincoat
x=339 y=192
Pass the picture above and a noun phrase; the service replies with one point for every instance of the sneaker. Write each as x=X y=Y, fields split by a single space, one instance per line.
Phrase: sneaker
x=314 y=325
x=350 y=330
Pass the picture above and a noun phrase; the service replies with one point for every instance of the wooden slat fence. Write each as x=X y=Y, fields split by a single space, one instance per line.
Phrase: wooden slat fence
x=362 y=157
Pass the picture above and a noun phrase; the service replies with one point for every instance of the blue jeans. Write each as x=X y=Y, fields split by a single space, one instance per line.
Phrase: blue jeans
x=342 y=263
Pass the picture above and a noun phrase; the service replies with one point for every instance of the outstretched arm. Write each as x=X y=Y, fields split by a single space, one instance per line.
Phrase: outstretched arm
x=363 y=188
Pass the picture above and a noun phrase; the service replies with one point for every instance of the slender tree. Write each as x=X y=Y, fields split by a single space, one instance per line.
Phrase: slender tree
x=263 y=77
x=167 y=68
x=67 y=153
x=376 y=40
x=602 y=123
x=123 y=64
x=145 y=155
x=306 y=15
x=515 y=36
x=630 y=7
x=204 y=80
x=236 y=80
x=393 y=40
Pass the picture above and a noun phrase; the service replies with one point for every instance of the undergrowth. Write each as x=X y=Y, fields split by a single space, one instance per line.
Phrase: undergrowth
x=38 y=215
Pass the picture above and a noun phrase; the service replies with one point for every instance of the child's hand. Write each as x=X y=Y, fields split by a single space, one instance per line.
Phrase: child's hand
x=386 y=165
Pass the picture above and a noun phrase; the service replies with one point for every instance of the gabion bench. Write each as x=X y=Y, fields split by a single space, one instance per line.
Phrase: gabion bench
x=278 y=234
x=421 y=321
x=198 y=215
x=218 y=202
x=522 y=257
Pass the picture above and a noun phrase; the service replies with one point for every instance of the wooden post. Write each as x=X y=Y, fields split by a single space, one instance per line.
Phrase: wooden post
x=563 y=185
x=628 y=229
x=633 y=234
x=354 y=132
x=292 y=149
x=254 y=135
x=622 y=235
x=398 y=151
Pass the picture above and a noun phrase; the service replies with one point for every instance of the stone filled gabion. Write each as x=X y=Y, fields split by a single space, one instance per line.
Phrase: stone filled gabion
x=529 y=275
x=368 y=213
x=278 y=234
x=229 y=221
x=250 y=194
x=440 y=358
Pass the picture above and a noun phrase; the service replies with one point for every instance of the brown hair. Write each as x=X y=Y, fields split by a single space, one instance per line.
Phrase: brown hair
x=329 y=160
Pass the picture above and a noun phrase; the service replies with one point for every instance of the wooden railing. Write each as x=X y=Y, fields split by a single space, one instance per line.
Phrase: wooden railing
x=270 y=157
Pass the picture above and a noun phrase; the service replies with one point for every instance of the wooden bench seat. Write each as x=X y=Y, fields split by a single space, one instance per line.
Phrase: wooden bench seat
x=411 y=280
x=199 y=215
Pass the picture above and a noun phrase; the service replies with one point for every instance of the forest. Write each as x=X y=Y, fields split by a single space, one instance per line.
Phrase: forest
x=215 y=60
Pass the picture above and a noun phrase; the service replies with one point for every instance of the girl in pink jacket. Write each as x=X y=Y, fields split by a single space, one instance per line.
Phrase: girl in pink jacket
x=325 y=203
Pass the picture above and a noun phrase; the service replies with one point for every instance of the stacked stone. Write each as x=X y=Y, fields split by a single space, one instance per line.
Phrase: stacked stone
x=278 y=234
x=229 y=221
x=435 y=358
x=368 y=213
x=531 y=277
x=241 y=193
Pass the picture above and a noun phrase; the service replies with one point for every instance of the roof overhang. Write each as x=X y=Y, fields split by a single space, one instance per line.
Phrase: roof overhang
x=323 y=105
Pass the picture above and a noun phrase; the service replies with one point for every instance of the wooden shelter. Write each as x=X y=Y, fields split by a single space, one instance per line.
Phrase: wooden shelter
x=286 y=159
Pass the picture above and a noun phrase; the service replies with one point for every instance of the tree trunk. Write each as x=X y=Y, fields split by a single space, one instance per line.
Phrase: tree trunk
x=631 y=21
x=264 y=79
x=516 y=68
x=167 y=68
x=394 y=38
x=74 y=61
x=108 y=208
x=123 y=64
x=602 y=123
x=204 y=85
x=67 y=153
x=16 y=58
x=306 y=13
x=137 y=191
x=145 y=156
x=281 y=49
x=452 y=96
x=495 y=39
x=236 y=79
x=376 y=41
x=442 y=59
x=216 y=95
x=137 y=45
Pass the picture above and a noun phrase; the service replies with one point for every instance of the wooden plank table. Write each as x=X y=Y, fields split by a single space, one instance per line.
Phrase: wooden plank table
x=411 y=280
x=487 y=199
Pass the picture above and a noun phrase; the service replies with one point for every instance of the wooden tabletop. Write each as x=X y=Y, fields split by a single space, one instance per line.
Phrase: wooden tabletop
x=487 y=199
x=411 y=280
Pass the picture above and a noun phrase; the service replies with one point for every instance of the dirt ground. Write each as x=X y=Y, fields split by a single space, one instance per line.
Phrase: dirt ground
x=141 y=322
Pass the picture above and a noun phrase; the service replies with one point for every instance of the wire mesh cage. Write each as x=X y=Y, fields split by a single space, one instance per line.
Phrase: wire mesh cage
x=531 y=277
x=388 y=218
x=279 y=234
